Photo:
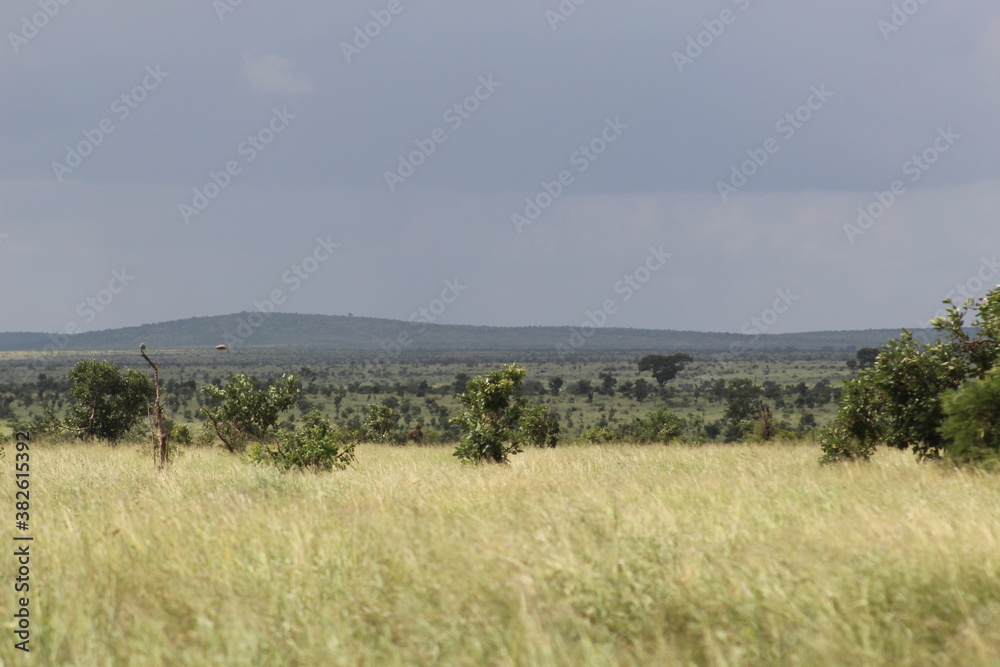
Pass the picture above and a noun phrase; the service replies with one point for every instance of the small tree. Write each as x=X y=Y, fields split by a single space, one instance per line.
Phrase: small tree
x=660 y=425
x=244 y=413
x=381 y=423
x=898 y=400
x=107 y=403
x=641 y=389
x=315 y=444
x=490 y=416
x=540 y=426
x=664 y=367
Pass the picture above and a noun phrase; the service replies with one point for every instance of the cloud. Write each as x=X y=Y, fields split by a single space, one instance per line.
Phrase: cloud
x=272 y=73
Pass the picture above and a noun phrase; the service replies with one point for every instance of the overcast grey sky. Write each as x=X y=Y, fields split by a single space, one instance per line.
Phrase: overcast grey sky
x=690 y=165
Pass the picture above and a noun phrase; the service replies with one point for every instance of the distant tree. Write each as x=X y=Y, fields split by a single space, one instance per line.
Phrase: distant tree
x=581 y=388
x=461 y=380
x=664 y=367
x=243 y=413
x=555 y=384
x=608 y=383
x=864 y=358
x=641 y=389
x=489 y=416
x=107 y=402
x=743 y=398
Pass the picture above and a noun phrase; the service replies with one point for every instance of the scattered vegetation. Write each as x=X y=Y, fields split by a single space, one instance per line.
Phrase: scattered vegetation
x=899 y=400
x=244 y=413
x=108 y=403
x=314 y=445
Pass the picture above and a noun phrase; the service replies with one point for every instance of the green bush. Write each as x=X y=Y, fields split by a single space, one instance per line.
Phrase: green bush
x=107 y=403
x=315 y=444
x=660 y=425
x=972 y=421
x=897 y=401
x=602 y=434
x=382 y=425
x=540 y=426
x=243 y=413
x=490 y=416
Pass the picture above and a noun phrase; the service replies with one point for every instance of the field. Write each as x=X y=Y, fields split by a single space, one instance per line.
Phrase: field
x=716 y=555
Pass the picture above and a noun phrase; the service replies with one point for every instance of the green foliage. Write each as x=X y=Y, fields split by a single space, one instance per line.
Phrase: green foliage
x=107 y=403
x=489 y=416
x=381 y=424
x=243 y=413
x=540 y=426
x=660 y=425
x=972 y=421
x=743 y=400
x=664 y=367
x=898 y=400
x=315 y=445
x=602 y=434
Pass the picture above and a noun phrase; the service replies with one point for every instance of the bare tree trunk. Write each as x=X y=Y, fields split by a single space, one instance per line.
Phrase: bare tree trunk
x=161 y=451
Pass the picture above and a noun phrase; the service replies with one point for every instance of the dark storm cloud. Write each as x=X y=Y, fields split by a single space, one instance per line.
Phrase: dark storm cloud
x=222 y=139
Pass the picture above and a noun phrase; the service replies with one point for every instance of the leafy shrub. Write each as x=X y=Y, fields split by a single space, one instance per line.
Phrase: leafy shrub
x=972 y=421
x=243 y=413
x=382 y=424
x=540 y=426
x=602 y=434
x=897 y=401
x=489 y=416
x=660 y=425
x=315 y=445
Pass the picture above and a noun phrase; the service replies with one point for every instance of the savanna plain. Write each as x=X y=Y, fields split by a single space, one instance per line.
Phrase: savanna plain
x=719 y=554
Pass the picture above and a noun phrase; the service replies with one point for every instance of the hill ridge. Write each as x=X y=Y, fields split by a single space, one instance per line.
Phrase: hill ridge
x=350 y=332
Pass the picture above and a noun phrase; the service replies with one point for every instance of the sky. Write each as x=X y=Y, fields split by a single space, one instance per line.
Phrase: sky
x=723 y=165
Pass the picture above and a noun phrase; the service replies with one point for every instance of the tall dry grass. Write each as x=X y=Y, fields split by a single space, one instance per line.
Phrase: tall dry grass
x=576 y=556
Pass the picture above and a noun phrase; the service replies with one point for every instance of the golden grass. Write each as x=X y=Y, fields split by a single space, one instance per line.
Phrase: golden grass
x=718 y=555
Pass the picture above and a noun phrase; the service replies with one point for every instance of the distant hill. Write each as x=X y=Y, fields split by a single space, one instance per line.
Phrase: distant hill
x=336 y=332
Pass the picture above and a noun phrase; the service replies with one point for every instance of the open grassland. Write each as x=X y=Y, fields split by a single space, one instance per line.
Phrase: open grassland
x=748 y=555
